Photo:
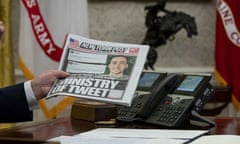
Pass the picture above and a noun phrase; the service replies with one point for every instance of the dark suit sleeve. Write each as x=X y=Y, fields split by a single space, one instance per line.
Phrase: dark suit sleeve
x=13 y=104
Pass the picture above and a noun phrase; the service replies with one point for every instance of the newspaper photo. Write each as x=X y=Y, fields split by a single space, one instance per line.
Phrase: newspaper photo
x=100 y=70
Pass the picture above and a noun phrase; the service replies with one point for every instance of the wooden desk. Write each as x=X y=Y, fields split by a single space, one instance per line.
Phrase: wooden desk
x=67 y=126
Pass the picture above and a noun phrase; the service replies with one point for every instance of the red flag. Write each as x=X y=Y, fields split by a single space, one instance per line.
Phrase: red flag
x=227 y=52
x=42 y=30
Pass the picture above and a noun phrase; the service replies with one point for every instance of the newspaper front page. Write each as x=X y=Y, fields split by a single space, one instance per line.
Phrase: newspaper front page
x=100 y=70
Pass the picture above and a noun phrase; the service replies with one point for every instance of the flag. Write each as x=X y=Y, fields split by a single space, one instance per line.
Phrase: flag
x=43 y=27
x=74 y=43
x=227 y=50
x=6 y=53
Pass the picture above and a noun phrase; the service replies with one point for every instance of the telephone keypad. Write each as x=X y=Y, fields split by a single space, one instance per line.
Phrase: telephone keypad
x=168 y=112
x=129 y=113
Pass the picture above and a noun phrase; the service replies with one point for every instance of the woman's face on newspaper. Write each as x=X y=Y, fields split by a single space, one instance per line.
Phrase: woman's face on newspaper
x=117 y=66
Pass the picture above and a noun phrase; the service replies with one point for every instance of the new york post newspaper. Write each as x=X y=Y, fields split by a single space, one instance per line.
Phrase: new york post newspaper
x=100 y=70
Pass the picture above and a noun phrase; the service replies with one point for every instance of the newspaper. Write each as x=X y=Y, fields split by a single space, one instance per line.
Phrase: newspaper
x=100 y=70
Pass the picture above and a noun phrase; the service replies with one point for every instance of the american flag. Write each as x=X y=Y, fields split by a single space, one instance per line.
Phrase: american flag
x=73 y=43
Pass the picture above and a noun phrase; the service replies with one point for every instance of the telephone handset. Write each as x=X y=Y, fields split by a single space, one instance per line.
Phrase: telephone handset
x=167 y=99
x=156 y=95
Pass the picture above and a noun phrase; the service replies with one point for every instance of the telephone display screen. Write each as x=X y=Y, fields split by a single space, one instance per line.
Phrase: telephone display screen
x=190 y=83
x=148 y=79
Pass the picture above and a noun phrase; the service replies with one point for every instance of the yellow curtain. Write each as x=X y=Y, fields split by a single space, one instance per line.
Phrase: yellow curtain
x=6 y=52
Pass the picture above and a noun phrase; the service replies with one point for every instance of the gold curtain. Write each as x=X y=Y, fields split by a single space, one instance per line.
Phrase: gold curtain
x=6 y=52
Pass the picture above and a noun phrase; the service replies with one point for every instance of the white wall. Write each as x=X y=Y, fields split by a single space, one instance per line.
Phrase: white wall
x=123 y=21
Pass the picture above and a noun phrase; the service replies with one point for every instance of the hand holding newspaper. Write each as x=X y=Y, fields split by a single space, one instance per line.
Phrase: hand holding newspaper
x=100 y=70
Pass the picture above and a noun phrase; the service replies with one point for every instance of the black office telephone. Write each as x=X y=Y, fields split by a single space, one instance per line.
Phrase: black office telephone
x=167 y=99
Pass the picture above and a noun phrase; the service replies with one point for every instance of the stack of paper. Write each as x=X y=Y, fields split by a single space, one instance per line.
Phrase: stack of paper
x=131 y=136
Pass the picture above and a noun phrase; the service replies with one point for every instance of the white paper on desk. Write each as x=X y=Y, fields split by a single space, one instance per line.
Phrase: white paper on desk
x=81 y=139
x=145 y=133
x=217 y=139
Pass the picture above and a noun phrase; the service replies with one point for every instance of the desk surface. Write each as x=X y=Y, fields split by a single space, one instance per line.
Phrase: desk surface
x=67 y=126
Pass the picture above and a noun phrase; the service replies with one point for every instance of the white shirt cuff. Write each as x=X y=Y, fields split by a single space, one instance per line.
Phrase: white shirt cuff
x=31 y=99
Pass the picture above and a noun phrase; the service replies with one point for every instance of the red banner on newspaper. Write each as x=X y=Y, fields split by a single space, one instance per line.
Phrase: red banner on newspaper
x=41 y=31
x=228 y=46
